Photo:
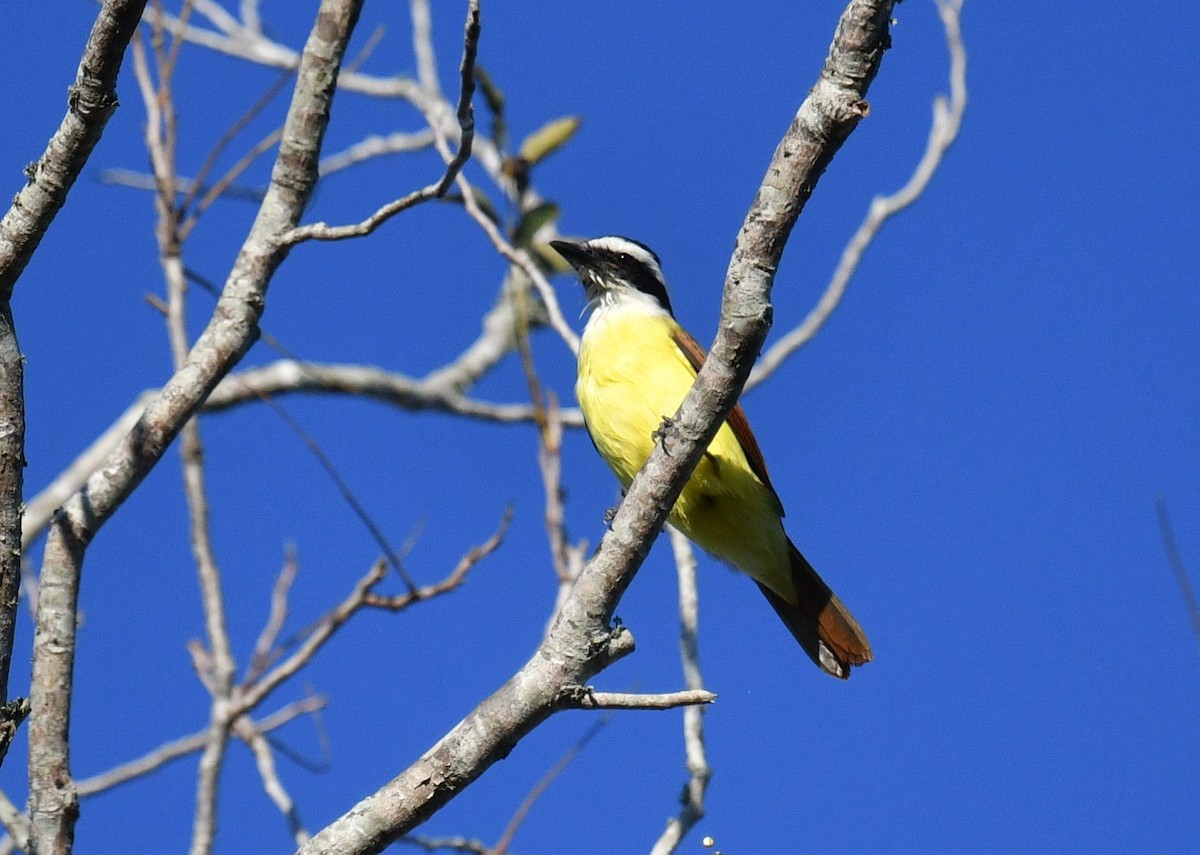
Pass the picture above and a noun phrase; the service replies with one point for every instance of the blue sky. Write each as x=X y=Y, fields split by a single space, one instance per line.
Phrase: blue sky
x=969 y=451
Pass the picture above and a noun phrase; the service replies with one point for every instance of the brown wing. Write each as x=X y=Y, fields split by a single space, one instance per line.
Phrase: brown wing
x=737 y=418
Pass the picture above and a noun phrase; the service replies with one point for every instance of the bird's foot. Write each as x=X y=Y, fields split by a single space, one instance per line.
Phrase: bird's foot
x=660 y=433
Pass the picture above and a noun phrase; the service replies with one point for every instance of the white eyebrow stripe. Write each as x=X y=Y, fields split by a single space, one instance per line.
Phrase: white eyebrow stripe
x=620 y=244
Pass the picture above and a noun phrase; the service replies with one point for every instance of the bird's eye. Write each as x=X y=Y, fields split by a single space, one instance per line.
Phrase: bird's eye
x=624 y=257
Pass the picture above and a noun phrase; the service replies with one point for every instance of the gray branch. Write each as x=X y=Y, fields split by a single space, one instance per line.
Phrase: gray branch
x=581 y=643
x=90 y=102
x=230 y=332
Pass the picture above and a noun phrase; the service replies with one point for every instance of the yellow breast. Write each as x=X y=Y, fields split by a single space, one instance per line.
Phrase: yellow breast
x=631 y=376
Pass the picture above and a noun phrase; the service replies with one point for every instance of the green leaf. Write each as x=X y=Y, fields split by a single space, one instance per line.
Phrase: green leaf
x=548 y=139
x=531 y=221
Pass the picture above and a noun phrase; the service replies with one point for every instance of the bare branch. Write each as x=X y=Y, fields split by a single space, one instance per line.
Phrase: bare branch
x=234 y=323
x=699 y=772
x=422 y=37
x=582 y=643
x=452 y=844
x=947 y=119
x=568 y=559
x=145 y=181
x=373 y=41
x=466 y=111
x=343 y=487
x=466 y=120
x=41 y=508
x=514 y=824
x=229 y=333
x=324 y=231
x=210 y=161
x=90 y=103
x=362 y=596
x=218 y=673
x=520 y=258
x=265 y=645
x=441 y=390
x=186 y=745
x=14 y=822
x=53 y=801
x=264 y=759
x=217 y=14
x=457 y=576
x=582 y=697
x=1186 y=591
x=12 y=490
x=376 y=146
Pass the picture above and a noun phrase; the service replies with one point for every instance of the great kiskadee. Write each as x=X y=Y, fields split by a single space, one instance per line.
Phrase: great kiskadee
x=636 y=363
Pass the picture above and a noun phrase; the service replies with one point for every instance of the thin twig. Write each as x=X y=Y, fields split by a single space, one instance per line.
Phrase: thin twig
x=1186 y=591
x=947 y=120
x=362 y=596
x=466 y=110
x=145 y=181
x=450 y=844
x=225 y=182
x=452 y=581
x=518 y=817
x=568 y=559
x=276 y=616
x=161 y=143
x=521 y=259
x=210 y=161
x=14 y=822
x=583 y=641
x=374 y=146
x=367 y=49
x=466 y=120
x=343 y=487
x=422 y=38
x=159 y=757
x=583 y=698
x=264 y=759
x=692 y=799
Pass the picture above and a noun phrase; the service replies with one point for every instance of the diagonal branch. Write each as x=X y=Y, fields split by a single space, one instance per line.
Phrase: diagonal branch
x=947 y=119
x=539 y=789
x=90 y=103
x=1186 y=592
x=17 y=823
x=466 y=124
x=436 y=392
x=582 y=643
x=363 y=596
x=230 y=332
x=699 y=772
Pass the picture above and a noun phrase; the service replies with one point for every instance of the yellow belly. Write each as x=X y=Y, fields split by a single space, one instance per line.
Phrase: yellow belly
x=632 y=375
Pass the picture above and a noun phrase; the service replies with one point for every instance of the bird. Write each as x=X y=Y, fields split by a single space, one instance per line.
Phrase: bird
x=636 y=364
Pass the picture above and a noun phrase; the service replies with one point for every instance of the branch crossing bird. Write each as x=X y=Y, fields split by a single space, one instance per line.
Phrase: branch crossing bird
x=636 y=364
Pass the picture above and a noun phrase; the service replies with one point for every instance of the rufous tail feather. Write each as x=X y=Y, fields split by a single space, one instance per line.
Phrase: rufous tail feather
x=824 y=627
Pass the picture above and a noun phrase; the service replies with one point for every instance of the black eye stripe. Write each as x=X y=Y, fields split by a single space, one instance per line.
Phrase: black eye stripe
x=633 y=263
x=643 y=279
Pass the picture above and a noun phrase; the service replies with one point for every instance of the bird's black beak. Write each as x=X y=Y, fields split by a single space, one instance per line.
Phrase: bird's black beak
x=575 y=252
